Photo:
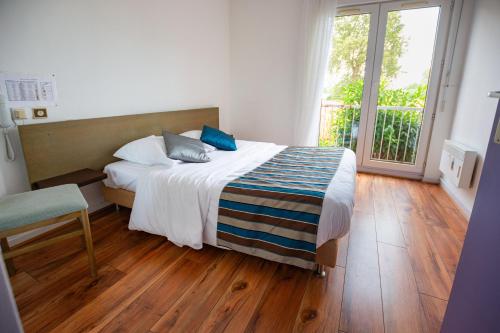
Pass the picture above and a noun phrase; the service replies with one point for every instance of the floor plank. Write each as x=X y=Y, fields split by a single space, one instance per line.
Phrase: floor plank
x=456 y=222
x=428 y=267
x=447 y=210
x=401 y=302
x=111 y=302
x=190 y=310
x=386 y=218
x=46 y=316
x=127 y=259
x=362 y=303
x=434 y=310
x=141 y=314
x=436 y=193
x=431 y=273
x=446 y=244
x=321 y=304
x=424 y=204
x=281 y=301
x=21 y=282
x=364 y=193
x=236 y=306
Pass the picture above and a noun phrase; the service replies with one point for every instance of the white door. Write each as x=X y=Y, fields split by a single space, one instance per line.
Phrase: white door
x=383 y=95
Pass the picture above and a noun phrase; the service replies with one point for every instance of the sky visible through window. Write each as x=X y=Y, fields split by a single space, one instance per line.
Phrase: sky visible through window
x=420 y=27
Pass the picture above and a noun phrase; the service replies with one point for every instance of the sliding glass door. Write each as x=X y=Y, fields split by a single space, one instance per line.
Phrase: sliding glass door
x=383 y=82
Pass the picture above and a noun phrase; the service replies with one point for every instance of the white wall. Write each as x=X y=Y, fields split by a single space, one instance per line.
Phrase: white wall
x=117 y=57
x=264 y=50
x=456 y=52
x=475 y=111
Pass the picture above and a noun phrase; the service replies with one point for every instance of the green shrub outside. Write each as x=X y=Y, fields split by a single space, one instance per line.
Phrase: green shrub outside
x=401 y=130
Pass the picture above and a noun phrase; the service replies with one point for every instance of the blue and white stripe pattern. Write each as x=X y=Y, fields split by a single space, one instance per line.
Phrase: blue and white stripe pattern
x=273 y=211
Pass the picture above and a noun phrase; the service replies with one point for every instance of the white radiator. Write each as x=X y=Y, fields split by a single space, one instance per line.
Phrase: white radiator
x=457 y=163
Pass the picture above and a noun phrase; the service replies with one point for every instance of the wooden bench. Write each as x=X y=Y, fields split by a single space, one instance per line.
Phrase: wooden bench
x=30 y=210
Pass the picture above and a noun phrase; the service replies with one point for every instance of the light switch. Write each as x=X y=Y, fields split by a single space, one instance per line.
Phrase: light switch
x=497 y=134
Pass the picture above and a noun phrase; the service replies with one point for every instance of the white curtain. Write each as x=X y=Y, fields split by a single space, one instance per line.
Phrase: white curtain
x=317 y=28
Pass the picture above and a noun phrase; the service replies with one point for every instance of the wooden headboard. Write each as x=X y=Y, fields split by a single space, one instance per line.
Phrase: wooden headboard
x=53 y=149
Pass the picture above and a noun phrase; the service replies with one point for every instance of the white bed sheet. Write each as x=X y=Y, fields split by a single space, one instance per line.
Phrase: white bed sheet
x=181 y=203
x=124 y=174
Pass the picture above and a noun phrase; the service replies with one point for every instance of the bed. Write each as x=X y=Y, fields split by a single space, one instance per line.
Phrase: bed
x=52 y=149
x=182 y=203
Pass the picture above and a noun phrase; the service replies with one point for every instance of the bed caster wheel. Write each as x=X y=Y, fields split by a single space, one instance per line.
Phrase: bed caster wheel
x=320 y=271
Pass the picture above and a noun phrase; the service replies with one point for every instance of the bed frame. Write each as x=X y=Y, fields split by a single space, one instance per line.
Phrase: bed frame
x=325 y=255
x=53 y=149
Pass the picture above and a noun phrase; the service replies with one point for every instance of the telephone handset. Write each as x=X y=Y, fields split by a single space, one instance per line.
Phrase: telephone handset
x=5 y=115
x=6 y=121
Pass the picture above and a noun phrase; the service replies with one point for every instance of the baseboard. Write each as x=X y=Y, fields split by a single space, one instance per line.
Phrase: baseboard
x=449 y=189
x=101 y=212
x=398 y=174
x=431 y=180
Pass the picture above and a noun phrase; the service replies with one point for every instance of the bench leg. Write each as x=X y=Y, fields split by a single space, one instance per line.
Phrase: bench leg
x=82 y=237
x=9 y=263
x=88 y=242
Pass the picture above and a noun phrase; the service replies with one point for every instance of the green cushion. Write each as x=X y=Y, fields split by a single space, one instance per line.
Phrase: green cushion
x=30 y=207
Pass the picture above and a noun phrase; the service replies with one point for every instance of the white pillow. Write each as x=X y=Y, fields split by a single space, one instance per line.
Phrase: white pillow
x=148 y=151
x=196 y=134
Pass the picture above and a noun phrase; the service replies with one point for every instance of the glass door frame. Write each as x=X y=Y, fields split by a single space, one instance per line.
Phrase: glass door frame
x=374 y=11
x=364 y=156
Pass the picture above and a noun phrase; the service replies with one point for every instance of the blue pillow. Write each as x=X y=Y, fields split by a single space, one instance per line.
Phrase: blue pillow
x=218 y=139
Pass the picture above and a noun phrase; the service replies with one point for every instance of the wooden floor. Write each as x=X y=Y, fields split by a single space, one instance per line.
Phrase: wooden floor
x=394 y=274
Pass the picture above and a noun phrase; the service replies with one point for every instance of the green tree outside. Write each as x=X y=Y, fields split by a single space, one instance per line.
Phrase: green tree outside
x=350 y=41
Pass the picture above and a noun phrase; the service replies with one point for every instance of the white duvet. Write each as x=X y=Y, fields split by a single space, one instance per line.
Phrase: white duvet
x=181 y=203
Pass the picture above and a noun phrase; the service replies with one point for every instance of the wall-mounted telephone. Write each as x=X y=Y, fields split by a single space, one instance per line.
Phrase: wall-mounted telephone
x=6 y=122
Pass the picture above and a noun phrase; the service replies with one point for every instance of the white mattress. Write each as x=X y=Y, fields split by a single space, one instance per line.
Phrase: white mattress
x=182 y=203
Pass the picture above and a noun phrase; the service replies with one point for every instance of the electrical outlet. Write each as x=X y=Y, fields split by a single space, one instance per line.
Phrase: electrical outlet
x=19 y=114
x=39 y=113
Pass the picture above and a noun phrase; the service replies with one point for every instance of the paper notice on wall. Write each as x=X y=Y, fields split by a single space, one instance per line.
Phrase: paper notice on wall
x=47 y=91
x=28 y=90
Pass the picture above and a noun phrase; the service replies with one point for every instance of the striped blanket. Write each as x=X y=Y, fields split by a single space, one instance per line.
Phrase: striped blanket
x=273 y=211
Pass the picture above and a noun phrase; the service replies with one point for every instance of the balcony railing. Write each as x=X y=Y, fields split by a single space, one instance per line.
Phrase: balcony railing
x=396 y=134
